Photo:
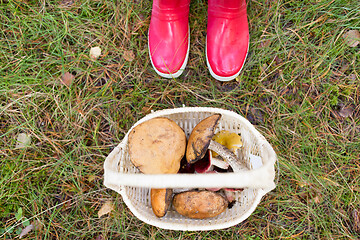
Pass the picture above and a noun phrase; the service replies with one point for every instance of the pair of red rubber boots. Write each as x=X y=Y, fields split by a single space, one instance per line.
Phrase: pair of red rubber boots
x=227 y=38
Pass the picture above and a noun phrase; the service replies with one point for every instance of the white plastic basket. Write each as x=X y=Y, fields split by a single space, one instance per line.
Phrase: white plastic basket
x=121 y=176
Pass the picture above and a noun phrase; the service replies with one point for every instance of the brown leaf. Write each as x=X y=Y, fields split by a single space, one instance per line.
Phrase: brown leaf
x=317 y=199
x=91 y=178
x=67 y=78
x=352 y=38
x=146 y=109
x=99 y=237
x=129 y=55
x=26 y=230
x=106 y=208
x=278 y=60
x=66 y=3
x=356 y=218
x=34 y=225
x=352 y=77
x=255 y=116
x=264 y=43
x=344 y=67
x=346 y=111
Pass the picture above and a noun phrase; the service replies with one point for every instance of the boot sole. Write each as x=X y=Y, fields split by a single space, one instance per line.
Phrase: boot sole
x=182 y=68
x=225 y=79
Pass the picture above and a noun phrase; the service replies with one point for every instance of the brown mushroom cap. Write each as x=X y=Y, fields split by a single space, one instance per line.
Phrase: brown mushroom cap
x=160 y=201
x=157 y=146
x=200 y=205
x=200 y=138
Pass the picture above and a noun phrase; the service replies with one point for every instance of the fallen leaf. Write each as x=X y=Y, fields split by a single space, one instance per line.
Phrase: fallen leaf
x=352 y=77
x=106 y=208
x=99 y=237
x=95 y=52
x=91 y=178
x=317 y=199
x=346 y=111
x=264 y=44
x=302 y=184
x=66 y=3
x=67 y=78
x=29 y=228
x=26 y=230
x=356 y=218
x=255 y=116
x=129 y=55
x=352 y=38
x=23 y=140
x=344 y=67
x=146 y=109
x=278 y=60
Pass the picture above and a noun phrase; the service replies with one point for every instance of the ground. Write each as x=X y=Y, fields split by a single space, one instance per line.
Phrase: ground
x=299 y=87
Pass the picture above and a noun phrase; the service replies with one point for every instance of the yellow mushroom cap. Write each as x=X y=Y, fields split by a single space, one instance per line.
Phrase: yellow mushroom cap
x=230 y=140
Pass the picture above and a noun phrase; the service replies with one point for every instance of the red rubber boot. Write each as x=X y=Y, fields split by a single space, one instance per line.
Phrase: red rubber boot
x=227 y=39
x=169 y=37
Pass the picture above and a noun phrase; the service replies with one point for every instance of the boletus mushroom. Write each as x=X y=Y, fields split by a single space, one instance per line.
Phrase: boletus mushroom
x=157 y=146
x=160 y=200
x=230 y=140
x=200 y=140
x=199 y=204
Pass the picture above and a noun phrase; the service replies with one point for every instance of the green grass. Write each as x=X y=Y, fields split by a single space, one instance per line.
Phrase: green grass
x=298 y=77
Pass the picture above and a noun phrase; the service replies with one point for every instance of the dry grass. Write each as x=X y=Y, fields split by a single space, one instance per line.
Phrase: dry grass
x=300 y=87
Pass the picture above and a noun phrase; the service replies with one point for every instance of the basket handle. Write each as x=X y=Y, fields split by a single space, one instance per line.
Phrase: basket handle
x=259 y=178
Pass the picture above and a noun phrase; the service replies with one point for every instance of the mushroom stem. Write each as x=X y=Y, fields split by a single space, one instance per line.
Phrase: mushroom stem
x=227 y=155
x=220 y=163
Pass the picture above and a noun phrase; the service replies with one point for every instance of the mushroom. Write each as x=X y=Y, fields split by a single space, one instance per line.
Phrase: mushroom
x=209 y=163
x=186 y=167
x=157 y=146
x=230 y=193
x=199 y=204
x=203 y=165
x=160 y=200
x=200 y=141
x=230 y=140
x=200 y=138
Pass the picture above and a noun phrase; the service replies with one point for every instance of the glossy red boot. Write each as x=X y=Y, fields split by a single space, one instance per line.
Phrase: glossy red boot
x=169 y=37
x=227 y=39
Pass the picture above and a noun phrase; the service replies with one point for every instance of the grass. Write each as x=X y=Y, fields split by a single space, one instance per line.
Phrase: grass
x=299 y=87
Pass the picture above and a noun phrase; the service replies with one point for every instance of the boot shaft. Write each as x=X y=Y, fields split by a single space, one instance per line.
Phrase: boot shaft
x=229 y=4
x=226 y=8
x=169 y=10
